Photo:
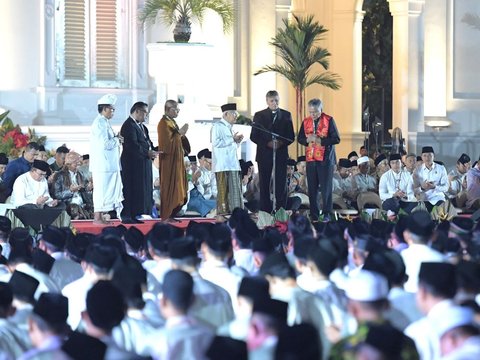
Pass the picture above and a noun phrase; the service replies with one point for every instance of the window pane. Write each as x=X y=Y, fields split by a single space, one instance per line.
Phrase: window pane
x=75 y=43
x=106 y=40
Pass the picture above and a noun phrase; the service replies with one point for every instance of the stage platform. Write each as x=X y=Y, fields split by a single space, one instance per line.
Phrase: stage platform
x=87 y=226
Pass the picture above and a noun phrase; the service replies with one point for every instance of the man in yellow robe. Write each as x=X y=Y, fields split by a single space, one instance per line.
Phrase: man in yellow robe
x=173 y=179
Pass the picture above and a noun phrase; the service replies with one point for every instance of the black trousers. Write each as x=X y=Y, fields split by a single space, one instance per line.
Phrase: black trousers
x=320 y=177
x=265 y=173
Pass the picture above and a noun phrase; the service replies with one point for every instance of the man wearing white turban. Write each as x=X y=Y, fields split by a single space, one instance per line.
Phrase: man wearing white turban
x=105 y=161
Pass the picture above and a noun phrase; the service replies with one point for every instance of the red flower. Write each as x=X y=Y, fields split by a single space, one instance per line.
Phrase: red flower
x=19 y=140
x=282 y=226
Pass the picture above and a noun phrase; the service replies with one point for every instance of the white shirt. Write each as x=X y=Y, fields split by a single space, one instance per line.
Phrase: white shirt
x=438 y=175
x=391 y=182
x=455 y=186
x=413 y=257
x=104 y=147
x=76 y=292
x=424 y=334
x=207 y=184
x=26 y=190
x=224 y=148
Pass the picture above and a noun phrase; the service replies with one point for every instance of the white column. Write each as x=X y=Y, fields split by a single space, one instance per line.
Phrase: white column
x=405 y=78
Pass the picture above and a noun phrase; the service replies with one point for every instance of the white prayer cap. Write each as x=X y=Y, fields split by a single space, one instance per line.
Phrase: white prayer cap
x=363 y=159
x=108 y=99
x=367 y=286
x=452 y=317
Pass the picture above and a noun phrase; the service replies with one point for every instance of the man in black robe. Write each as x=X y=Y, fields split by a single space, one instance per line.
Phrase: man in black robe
x=279 y=121
x=136 y=160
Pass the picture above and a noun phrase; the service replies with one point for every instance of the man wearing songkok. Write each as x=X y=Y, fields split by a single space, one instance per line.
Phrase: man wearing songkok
x=136 y=160
x=457 y=181
x=212 y=304
x=23 y=288
x=13 y=340
x=396 y=187
x=459 y=334
x=251 y=289
x=105 y=161
x=18 y=167
x=105 y=309
x=3 y=165
x=367 y=294
x=48 y=327
x=279 y=121
x=473 y=187
x=269 y=318
x=59 y=159
x=214 y=268
x=302 y=305
x=53 y=241
x=381 y=165
x=319 y=134
x=225 y=161
x=204 y=178
x=418 y=235
x=99 y=260
x=5 y=228
x=343 y=194
x=437 y=286
x=182 y=337
x=245 y=231
x=173 y=178
x=389 y=263
x=430 y=181
x=365 y=186
x=73 y=189
x=20 y=259
x=32 y=187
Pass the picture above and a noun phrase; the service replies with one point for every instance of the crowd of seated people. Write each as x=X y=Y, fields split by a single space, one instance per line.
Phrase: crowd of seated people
x=325 y=290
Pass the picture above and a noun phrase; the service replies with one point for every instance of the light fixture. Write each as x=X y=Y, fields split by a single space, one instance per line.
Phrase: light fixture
x=437 y=122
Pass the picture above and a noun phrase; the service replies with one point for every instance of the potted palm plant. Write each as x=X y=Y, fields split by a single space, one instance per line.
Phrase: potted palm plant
x=182 y=12
x=296 y=44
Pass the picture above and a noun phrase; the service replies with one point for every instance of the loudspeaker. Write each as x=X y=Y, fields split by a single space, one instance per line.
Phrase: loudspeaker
x=476 y=215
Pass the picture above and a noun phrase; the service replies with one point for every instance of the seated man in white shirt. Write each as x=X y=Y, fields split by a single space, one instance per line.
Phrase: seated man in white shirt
x=365 y=186
x=30 y=194
x=32 y=187
x=430 y=181
x=396 y=187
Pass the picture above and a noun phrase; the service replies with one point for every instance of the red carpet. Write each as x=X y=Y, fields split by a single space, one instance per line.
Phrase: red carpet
x=89 y=227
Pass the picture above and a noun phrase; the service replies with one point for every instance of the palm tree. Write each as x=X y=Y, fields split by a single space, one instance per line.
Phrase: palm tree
x=181 y=12
x=296 y=45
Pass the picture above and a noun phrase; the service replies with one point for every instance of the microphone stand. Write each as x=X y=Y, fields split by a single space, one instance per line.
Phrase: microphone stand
x=275 y=137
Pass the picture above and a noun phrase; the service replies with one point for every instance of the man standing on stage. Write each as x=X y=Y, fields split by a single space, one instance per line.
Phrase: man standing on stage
x=105 y=161
x=173 y=178
x=136 y=159
x=225 y=161
x=319 y=134
x=279 y=121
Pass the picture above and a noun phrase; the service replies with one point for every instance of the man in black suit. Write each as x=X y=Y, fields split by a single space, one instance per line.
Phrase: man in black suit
x=136 y=160
x=279 y=121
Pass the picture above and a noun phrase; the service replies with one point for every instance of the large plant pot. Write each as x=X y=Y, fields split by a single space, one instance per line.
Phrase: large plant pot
x=182 y=32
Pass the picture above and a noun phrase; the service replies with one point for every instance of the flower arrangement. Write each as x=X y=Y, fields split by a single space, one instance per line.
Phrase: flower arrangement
x=13 y=140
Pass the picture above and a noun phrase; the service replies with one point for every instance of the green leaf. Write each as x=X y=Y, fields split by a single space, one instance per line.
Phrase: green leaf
x=281 y=215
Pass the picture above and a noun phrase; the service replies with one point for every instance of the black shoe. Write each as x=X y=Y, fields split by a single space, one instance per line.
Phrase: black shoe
x=136 y=221
x=129 y=221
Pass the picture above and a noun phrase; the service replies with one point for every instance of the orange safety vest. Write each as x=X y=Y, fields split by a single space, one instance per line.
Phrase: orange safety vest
x=316 y=152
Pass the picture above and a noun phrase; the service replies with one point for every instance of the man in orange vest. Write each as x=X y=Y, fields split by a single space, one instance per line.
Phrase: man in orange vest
x=319 y=134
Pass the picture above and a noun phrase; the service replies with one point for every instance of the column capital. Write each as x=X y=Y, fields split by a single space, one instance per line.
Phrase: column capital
x=406 y=7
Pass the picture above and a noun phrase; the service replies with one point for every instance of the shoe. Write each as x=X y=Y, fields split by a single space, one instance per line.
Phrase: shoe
x=136 y=221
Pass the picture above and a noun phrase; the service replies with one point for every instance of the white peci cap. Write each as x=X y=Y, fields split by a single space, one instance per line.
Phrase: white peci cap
x=108 y=99
x=362 y=160
x=452 y=317
x=367 y=286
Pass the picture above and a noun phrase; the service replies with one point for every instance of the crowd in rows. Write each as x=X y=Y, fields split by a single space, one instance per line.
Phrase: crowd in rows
x=327 y=290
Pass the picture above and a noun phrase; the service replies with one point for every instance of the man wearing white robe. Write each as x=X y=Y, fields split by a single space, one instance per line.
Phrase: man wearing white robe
x=105 y=161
